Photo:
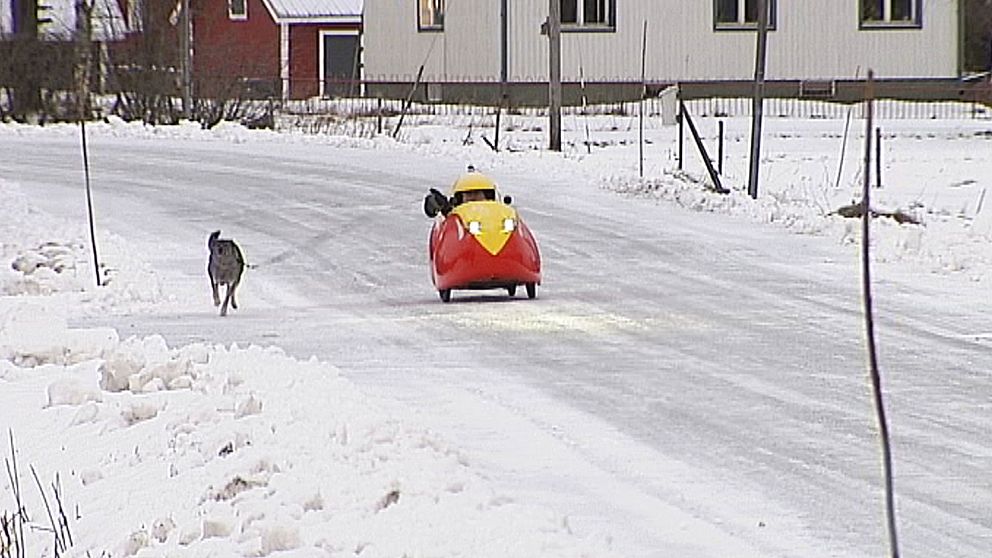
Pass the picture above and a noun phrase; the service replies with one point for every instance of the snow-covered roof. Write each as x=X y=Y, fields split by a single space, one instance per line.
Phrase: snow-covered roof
x=298 y=9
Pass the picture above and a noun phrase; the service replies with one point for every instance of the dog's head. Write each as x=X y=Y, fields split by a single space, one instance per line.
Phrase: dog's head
x=224 y=254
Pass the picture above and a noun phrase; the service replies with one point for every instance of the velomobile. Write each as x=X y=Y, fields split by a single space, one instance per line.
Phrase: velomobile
x=478 y=240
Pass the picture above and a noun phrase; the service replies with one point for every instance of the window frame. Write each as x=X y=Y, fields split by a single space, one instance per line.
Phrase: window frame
x=886 y=21
x=232 y=15
x=434 y=26
x=581 y=26
x=359 y=68
x=742 y=24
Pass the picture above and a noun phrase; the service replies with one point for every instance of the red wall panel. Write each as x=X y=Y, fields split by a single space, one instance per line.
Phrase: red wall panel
x=304 y=60
x=227 y=51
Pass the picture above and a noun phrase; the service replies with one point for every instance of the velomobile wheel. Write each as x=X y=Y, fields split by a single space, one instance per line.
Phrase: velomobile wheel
x=531 y=290
x=445 y=295
x=512 y=289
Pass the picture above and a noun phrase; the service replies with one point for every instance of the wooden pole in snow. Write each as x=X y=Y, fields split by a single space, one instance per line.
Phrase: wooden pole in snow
x=644 y=56
x=554 y=74
x=757 y=111
x=876 y=379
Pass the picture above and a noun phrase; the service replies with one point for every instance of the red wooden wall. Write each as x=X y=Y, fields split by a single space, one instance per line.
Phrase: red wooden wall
x=226 y=50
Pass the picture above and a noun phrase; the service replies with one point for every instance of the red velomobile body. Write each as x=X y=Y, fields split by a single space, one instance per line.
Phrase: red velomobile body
x=483 y=245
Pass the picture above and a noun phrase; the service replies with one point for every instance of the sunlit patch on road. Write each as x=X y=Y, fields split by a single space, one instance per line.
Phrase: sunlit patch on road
x=573 y=318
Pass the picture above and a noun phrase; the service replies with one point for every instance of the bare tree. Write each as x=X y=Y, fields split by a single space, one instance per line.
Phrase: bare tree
x=146 y=71
x=143 y=67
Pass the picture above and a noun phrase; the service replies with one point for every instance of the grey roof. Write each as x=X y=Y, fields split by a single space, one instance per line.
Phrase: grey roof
x=315 y=8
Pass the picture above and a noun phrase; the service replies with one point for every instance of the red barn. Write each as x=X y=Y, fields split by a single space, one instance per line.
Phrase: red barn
x=291 y=49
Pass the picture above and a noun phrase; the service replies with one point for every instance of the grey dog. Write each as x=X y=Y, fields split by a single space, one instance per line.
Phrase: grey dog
x=224 y=268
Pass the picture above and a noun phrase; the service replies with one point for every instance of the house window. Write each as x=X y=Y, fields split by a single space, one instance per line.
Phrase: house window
x=741 y=14
x=430 y=15
x=890 y=13
x=237 y=9
x=587 y=15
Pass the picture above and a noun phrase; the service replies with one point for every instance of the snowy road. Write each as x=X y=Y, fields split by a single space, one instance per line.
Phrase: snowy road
x=689 y=384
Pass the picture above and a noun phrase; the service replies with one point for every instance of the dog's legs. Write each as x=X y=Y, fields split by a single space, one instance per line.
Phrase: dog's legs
x=227 y=298
x=231 y=291
x=213 y=287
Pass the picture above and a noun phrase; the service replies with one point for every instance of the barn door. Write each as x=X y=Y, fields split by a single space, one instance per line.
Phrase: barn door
x=340 y=64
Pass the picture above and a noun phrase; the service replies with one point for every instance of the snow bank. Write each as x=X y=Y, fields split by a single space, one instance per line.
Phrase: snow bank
x=205 y=450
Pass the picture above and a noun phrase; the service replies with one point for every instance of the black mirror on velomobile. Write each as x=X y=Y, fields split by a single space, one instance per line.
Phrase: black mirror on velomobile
x=435 y=203
x=431 y=208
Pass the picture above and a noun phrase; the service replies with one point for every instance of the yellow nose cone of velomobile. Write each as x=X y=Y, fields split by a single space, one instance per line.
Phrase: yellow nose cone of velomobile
x=487 y=222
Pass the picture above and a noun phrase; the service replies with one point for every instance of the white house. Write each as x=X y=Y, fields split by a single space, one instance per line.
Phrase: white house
x=467 y=46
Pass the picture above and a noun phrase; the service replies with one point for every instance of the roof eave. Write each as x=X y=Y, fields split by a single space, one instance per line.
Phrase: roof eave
x=350 y=20
x=353 y=19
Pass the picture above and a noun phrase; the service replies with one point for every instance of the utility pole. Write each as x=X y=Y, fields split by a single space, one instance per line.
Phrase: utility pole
x=758 y=105
x=554 y=73
x=186 y=59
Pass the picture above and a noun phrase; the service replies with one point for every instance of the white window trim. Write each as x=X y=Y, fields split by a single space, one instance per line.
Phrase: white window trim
x=236 y=17
x=741 y=14
x=580 y=17
x=915 y=17
x=421 y=26
x=320 y=57
x=742 y=23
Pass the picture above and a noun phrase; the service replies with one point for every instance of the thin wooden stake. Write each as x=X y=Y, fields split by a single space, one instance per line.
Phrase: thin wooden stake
x=644 y=55
x=681 y=119
x=585 y=104
x=878 y=157
x=719 y=156
x=876 y=381
x=717 y=185
x=554 y=75
x=378 y=116
x=89 y=199
x=843 y=143
x=758 y=102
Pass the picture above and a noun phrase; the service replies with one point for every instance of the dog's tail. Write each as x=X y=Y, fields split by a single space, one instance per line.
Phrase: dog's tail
x=213 y=238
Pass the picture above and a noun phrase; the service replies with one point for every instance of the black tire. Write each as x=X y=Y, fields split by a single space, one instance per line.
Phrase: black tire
x=445 y=295
x=512 y=290
x=531 y=290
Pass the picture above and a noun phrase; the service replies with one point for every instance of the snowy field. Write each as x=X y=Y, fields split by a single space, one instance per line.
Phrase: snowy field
x=187 y=442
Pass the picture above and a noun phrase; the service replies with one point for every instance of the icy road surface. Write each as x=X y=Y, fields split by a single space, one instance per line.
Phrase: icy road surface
x=684 y=383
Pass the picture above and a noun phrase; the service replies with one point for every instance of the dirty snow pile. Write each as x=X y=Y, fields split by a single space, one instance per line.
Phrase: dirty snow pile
x=141 y=449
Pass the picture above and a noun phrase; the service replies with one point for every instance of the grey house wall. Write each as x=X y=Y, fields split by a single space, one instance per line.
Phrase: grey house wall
x=812 y=40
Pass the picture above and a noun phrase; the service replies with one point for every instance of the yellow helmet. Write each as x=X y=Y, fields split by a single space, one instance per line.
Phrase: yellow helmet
x=473 y=181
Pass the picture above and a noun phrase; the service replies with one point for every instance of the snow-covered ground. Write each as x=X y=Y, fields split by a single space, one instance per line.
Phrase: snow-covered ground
x=211 y=450
x=214 y=448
